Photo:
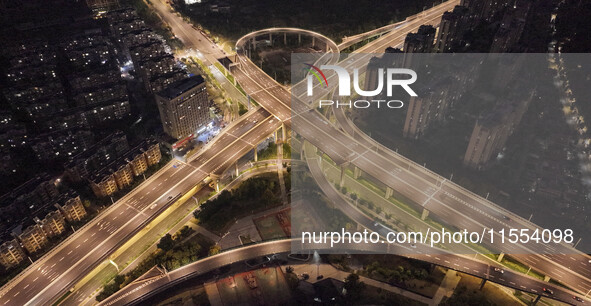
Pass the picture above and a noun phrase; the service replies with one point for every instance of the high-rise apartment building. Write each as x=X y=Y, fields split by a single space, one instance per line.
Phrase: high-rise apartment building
x=184 y=107
x=491 y=131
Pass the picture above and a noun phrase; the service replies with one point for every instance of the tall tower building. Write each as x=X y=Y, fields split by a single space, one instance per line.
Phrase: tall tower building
x=420 y=42
x=491 y=132
x=429 y=107
x=184 y=107
x=451 y=29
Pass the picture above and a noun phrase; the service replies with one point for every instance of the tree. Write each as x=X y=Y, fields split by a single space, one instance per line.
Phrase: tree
x=184 y=232
x=268 y=197
x=166 y=243
x=344 y=190
x=292 y=280
x=354 y=196
x=214 y=249
x=354 y=287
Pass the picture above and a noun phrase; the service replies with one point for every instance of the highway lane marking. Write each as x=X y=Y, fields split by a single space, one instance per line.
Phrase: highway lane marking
x=74 y=265
x=62 y=258
x=479 y=210
x=70 y=252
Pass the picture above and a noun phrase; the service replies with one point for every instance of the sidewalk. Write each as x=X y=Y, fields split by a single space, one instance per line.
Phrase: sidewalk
x=447 y=287
x=201 y=230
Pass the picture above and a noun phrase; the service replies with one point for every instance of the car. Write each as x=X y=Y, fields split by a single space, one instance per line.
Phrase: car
x=153 y=206
x=319 y=277
x=549 y=291
x=507 y=218
x=413 y=246
x=170 y=197
x=305 y=276
x=499 y=270
x=376 y=224
x=578 y=299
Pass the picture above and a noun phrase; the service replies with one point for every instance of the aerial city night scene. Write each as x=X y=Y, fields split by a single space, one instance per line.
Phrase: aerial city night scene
x=280 y=152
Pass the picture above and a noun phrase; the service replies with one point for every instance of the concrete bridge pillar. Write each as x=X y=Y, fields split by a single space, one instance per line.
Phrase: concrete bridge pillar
x=254 y=44
x=500 y=257
x=216 y=181
x=313 y=41
x=546 y=278
x=356 y=172
x=389 y=192
x=275 y=136
x=536 y=300
x=285 y=38
x=271 y=38
x=283 y=132
x=256 y=157
x=425 y=214
x=482 y=283
x=237 y=172
x=342 y=183
x=299 y=39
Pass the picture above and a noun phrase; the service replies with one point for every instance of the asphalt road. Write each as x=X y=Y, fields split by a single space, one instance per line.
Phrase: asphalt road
x=447 y=258
x=51 y=276
x=445 y=199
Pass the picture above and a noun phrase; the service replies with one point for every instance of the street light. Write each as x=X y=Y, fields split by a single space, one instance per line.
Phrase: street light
x=114 y=264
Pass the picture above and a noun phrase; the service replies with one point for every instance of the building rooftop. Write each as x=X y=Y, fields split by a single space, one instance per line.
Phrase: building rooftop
x=179 y=87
